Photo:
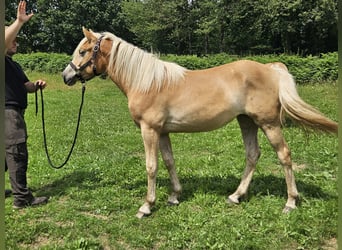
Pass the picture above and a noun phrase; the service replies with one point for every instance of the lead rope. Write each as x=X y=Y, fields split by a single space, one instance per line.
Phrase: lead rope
x=44 y=132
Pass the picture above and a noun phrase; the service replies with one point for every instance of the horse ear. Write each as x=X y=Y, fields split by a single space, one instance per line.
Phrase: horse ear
x=88 y=34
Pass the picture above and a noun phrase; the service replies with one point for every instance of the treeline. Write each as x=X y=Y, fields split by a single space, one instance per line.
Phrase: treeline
x=185 y=26
x=310 y=69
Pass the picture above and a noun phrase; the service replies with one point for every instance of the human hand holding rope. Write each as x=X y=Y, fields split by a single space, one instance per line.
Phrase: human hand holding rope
x=40 y=84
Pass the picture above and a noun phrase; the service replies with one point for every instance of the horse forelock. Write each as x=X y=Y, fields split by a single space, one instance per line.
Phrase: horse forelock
x=75 y=53
x=140 y=70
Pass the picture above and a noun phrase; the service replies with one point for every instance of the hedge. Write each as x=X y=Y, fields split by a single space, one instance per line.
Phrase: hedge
x=43 y=62
x=311 y=69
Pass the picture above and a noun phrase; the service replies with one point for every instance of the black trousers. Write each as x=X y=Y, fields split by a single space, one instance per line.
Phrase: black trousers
x=16 y=159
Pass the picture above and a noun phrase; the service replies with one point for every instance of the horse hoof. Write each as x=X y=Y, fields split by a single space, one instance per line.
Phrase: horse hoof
x=143 y=211
x=232 y=202
x=172 y=201
x=288 y=209
x=140 y=215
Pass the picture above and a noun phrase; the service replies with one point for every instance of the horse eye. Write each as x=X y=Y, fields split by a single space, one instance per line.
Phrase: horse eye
x=82 y=52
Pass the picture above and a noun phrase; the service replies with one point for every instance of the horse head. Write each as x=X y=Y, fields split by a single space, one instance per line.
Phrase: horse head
x=88 y=59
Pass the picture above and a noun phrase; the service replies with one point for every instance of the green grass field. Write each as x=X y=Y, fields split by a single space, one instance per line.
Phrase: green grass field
x=95 y=197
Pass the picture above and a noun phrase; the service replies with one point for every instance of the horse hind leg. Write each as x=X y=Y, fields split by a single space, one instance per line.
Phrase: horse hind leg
x=167 y=155
x=249 y=132
x=275 y=137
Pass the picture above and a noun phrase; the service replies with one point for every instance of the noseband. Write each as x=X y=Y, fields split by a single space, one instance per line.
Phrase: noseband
x=88 y=63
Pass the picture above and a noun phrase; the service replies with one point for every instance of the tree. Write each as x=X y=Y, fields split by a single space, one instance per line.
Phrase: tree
x=206 y=23
x=185 y=26
x=157 y=24
x=306 y=27
x=57 y=24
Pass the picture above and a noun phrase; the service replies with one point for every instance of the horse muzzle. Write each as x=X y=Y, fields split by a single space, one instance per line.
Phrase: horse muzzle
x=69 y=76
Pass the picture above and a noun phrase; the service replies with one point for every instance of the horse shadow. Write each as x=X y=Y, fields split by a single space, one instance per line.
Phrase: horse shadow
x=261 y=185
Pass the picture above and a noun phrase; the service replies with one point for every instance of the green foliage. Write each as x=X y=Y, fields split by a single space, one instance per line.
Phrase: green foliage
x=43 y=62
x=207 y=26
x=185 y=27
x=200 y=62
x=94 y=198
x=57 y=25
x=311 y=69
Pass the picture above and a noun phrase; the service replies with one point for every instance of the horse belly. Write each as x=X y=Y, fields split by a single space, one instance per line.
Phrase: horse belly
x=198 y=121
x=205 y=107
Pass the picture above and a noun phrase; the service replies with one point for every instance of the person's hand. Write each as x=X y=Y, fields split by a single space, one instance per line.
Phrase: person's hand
x=21 y=12
x=40 y=84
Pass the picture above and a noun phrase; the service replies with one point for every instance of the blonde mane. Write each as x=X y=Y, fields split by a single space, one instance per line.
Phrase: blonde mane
x=140 y=70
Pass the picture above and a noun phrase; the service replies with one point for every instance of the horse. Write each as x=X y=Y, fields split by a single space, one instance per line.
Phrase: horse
x=164 y=97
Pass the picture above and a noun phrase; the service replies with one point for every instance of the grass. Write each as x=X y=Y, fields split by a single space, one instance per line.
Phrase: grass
x=95 y=197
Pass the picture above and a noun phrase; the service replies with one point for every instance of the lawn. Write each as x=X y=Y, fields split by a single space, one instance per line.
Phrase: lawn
x=94 y=198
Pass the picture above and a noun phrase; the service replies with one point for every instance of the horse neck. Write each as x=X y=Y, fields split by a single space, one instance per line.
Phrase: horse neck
x=123 y=87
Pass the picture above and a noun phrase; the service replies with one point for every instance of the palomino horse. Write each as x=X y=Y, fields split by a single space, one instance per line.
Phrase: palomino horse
x=164 y=97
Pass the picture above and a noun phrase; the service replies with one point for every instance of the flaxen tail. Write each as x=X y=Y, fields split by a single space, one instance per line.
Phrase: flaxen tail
x=298 y=110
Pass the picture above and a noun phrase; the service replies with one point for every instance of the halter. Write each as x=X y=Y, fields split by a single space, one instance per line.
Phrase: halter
x=88 y=63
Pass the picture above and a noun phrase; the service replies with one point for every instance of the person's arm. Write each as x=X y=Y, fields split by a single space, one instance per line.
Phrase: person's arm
x=12 y=31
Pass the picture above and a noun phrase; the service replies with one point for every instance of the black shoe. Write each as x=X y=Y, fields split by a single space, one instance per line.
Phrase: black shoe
x=8 y=193
x=37 y=201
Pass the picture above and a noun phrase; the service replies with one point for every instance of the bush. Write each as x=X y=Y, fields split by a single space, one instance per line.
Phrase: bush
x=43 y=62
x=311 y=69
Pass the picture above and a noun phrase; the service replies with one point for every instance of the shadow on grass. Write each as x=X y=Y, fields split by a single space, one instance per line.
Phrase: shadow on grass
x=82 y=179
x=222 y=186
x=260 y=186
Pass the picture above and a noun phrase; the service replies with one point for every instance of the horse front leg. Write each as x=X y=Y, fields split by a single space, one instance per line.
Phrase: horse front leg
x=151 y=141
x=167 y=155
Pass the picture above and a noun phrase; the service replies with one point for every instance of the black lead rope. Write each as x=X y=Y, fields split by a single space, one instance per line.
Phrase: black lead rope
x=44 y=132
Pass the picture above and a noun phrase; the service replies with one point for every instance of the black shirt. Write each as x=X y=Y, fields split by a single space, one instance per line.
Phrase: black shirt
x=15 y=79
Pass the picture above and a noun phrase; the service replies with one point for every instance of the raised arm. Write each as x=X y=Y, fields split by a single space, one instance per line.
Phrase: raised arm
x=12 y=31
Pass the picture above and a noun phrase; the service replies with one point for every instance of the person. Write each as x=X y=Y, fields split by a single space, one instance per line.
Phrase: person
x=17 y=86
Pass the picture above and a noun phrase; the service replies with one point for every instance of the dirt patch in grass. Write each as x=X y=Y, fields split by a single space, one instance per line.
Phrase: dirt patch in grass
x=40 y=242
x=330 y=244
x=97 y=216
x=104 y=239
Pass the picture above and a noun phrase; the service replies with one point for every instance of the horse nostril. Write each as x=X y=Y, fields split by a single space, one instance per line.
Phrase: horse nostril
x=65 y=80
